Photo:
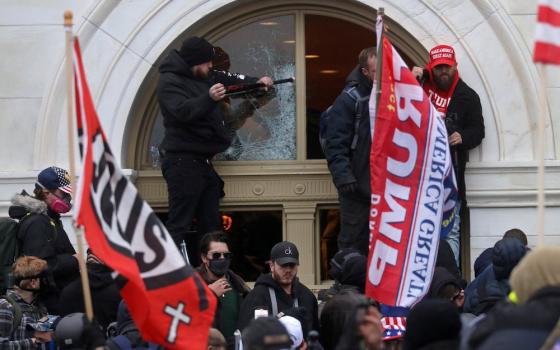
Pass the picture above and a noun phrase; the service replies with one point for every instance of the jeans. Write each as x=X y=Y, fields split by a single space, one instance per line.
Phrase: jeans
x=194 y=189
x=354 y=223
x=454 y=236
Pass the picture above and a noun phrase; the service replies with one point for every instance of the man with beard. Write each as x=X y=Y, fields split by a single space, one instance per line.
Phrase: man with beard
x=230 y=289
x=280 y=290
x=461 y=108
x=348 y=143
x=190 y=96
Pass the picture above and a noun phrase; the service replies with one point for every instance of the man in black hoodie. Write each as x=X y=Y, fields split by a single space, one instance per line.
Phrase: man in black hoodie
x=347 y=152
x=280 y=290
x=190 y=96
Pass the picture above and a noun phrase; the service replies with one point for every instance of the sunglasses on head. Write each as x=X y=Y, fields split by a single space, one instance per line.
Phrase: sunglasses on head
x=219 y=255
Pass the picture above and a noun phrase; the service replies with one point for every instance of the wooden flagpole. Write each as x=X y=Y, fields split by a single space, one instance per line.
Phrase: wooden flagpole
x=71 y=154
x=540 y=155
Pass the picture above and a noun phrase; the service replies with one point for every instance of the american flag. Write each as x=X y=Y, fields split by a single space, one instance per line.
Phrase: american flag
x=63 y=179
x=547 y=32
x=395 y=327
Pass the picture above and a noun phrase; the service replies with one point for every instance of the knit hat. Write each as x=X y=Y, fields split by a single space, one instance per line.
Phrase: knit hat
x=430 y=321
x=442 y=54
x=196 y=50
x=53 y=178
x=266 y=333
x=539 y=269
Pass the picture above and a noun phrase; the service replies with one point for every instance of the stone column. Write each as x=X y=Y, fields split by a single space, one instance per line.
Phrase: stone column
x=299 y=228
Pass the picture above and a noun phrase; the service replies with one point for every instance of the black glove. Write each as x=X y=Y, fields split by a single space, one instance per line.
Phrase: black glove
x=348 y=188
x=93 y=334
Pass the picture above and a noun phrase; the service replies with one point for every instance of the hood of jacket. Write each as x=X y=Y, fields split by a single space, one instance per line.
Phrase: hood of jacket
x=99 y=275
x=356 y=77
x=506 y=254
x=268 y=281
x=539 y=269
x=174 y=63
x=23 y=204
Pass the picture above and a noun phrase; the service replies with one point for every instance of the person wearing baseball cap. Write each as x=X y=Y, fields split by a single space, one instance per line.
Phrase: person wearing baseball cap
x=41 y=232
x=280 y=290
x=461 y=108
x=197 y=127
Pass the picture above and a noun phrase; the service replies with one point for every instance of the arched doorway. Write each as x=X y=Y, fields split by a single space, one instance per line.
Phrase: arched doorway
x=277 y=182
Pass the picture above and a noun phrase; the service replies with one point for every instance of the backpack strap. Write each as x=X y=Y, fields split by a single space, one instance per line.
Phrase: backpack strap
x=122 y=341
x=18 y=314
x=273 y=301
x=358 y=109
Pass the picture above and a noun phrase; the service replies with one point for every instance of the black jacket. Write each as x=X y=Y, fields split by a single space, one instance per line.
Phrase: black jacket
x=104 y=292
x=465 y=116
x=259 y=297
x=194 y=123
x=523 y=326
x=492 y=285
x=41 y=234
x=348 y=166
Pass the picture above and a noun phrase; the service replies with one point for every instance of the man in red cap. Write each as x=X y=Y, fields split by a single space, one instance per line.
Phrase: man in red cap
x=461 y=108
x=191 y=98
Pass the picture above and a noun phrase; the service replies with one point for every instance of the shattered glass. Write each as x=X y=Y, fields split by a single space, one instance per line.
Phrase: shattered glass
x=266 y=47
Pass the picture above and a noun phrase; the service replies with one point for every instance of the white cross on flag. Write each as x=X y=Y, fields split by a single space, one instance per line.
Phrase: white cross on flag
x=547 y=32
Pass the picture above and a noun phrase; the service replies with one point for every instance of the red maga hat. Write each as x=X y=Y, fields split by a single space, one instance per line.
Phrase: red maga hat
x=442 y=54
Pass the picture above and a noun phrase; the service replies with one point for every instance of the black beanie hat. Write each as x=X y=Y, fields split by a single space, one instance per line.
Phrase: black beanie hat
x=196 y=50
x=431 y=321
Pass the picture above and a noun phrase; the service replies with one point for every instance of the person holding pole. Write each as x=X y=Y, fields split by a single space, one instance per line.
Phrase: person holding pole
x=348 y=144
x=190 y=96
x=462 y=110
x=41 y=232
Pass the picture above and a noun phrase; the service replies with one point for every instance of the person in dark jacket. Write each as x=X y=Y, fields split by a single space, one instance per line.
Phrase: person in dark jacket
x=190 y=96
x=525 y=323
x=104 y=293
x=41 y=232
x=280 y=290
x=485 y=258
x=492 y=285
x=461 y=107
x=348 y=269
x=230 y=289
x=348 y=163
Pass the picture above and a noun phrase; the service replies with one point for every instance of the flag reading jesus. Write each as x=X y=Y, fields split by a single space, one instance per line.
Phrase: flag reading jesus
x=169 y=302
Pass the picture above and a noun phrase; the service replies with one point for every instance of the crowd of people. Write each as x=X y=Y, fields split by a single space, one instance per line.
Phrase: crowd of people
x=513 y=302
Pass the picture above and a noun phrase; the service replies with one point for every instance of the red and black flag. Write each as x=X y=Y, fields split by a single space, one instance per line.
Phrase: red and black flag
x=169 y=302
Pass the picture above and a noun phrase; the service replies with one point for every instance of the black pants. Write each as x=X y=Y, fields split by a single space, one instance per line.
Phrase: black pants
x=194 y=190
x=354 y=223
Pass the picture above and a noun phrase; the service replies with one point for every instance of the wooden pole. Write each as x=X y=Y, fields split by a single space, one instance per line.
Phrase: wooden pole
x=71 y=154
x=540 y=156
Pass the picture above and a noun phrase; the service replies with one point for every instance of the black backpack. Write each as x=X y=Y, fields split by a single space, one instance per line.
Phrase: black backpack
x=359 y=101
x=9 y=250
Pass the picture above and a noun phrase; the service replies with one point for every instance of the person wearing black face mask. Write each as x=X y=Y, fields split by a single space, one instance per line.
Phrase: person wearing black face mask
x=41 y=232
x=229 y=288
x=20 y=307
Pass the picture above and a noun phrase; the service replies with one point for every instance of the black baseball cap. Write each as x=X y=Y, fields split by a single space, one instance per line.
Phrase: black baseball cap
x=266 y=333
x=284 y=253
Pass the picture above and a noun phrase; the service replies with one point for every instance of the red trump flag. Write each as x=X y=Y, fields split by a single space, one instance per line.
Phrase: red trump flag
x=169 y=302
x=410 y=170
x=547 y=32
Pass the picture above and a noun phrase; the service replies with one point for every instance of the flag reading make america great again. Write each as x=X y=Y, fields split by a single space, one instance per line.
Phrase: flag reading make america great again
x=409 y=162
x=169 y=302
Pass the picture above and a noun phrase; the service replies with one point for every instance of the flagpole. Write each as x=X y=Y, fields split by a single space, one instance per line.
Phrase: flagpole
x=380 y=12
x=540 y=156
x=71 y=154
